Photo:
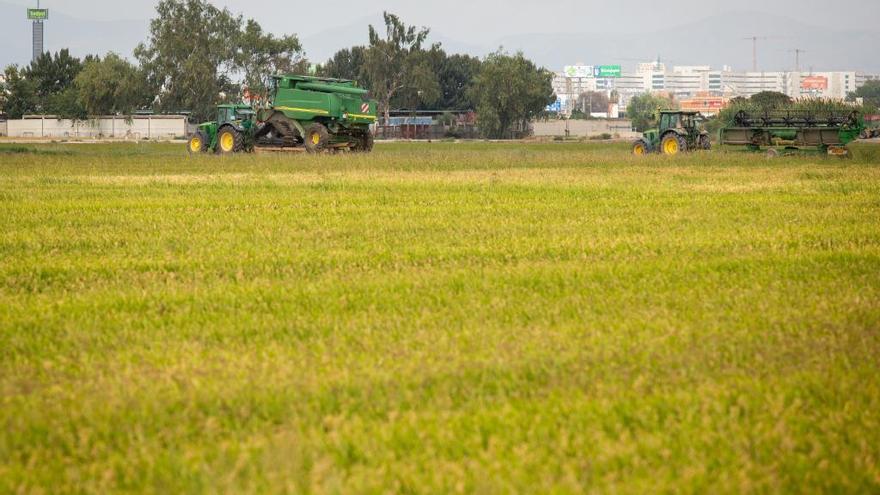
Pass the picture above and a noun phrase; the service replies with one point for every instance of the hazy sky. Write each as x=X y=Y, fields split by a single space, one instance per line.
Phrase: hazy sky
x=552 y=33
x=483 y=21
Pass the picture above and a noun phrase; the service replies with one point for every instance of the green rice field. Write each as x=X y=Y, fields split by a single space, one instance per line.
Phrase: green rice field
x=437 y=318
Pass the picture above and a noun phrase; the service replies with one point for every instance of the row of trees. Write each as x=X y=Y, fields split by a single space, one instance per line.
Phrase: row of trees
x=198 y=56
x=403 y=72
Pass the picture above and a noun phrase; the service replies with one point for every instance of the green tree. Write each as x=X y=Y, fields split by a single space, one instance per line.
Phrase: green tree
x=347 y=63
x=870 y=93
x=770 y=100
x=395 y=63
x=53 y=74
x=65 y=104
x=455 y=75
x=642 y=110
x=261 y=55
x=422 y=89
x=190 y=57
x=112 y=86
x=510 y=91
x=21 y=93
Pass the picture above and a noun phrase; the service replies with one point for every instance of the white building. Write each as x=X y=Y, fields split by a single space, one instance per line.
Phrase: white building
x=684 y=82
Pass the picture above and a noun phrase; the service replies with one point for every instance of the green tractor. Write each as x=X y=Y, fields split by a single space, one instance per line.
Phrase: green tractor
x=230 y=133
x=679 y=132
x=300 y=112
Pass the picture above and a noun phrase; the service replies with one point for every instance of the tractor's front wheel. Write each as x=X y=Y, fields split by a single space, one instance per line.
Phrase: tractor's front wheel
x=317 y=138
x=673 y=144
x=229 y=140
x=198 y=143
x=640 y=147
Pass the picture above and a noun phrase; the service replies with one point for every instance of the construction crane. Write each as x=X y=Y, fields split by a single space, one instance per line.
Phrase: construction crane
x=797 y=58
x=754 y=40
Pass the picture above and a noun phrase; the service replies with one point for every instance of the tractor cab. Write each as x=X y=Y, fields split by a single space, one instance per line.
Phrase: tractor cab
x=678 y=132
x=233 y=113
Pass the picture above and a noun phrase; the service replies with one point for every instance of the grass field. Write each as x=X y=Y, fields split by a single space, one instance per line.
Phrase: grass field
x=435 y=318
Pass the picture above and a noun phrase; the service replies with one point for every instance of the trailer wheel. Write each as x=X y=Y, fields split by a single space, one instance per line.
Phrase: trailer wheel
x=772 y=153
x=640 y=147
x=363 y=143
x=673 y=144
x=229 y=140
x=198 y=143
x=317 y=138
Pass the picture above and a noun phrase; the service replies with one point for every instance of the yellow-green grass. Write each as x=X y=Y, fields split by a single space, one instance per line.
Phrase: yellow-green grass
x=433 y=318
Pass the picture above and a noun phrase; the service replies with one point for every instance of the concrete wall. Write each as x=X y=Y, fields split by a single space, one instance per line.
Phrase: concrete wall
x=139 y=127
x=2 y=127
x=584 y=128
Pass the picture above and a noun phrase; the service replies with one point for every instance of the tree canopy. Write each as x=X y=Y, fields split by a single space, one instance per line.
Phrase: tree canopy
x=642 y=110
x=395 y=63
x=870 y=93
x=509 y=91
x=112 y=86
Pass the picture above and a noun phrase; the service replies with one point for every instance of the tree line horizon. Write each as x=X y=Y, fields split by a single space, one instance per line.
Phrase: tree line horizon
x=198 y=56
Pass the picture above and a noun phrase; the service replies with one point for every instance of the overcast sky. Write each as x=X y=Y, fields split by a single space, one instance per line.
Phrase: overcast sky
x=552 y=33
x=482 y=21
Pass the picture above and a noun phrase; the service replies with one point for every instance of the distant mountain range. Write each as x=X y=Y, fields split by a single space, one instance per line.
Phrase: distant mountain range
x=716 y=41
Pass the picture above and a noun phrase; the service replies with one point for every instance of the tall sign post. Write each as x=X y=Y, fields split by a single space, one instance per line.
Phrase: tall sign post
x=38 y=15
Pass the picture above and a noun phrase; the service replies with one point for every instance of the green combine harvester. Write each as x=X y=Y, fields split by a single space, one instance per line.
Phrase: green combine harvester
x=302 y=113
x=786 y=132
x=678 y=132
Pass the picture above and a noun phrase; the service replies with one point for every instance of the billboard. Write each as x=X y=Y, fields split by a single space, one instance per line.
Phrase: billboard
x=578 y=71
x=607 y=71
x=814 y=82
x=38 y=14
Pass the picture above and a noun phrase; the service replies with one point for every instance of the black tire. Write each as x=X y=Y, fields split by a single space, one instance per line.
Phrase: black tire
x=705 y=143
x=229 y=140
x=640 y=147
x=363 y=142
x=681 y=147
x=317 y=138
x=197 y=143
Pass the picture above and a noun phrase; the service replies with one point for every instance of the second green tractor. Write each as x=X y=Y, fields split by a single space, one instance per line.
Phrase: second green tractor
x=678 y=132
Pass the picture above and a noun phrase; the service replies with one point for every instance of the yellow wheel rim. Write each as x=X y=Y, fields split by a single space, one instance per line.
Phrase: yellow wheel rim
x=316 y=138
x=639 y=149
x=227 y=141
x=195 y=145
x=670 y=147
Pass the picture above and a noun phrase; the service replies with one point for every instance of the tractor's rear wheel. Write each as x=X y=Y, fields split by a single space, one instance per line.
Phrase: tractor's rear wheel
x=673 y=144
x=317 y=138
x=229 y=140
x=198 y=143
x=705 y=143
x=640 y=147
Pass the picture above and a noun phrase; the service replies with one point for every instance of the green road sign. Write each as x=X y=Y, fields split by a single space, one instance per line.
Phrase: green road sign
x=38 y=14
x=608 y=71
